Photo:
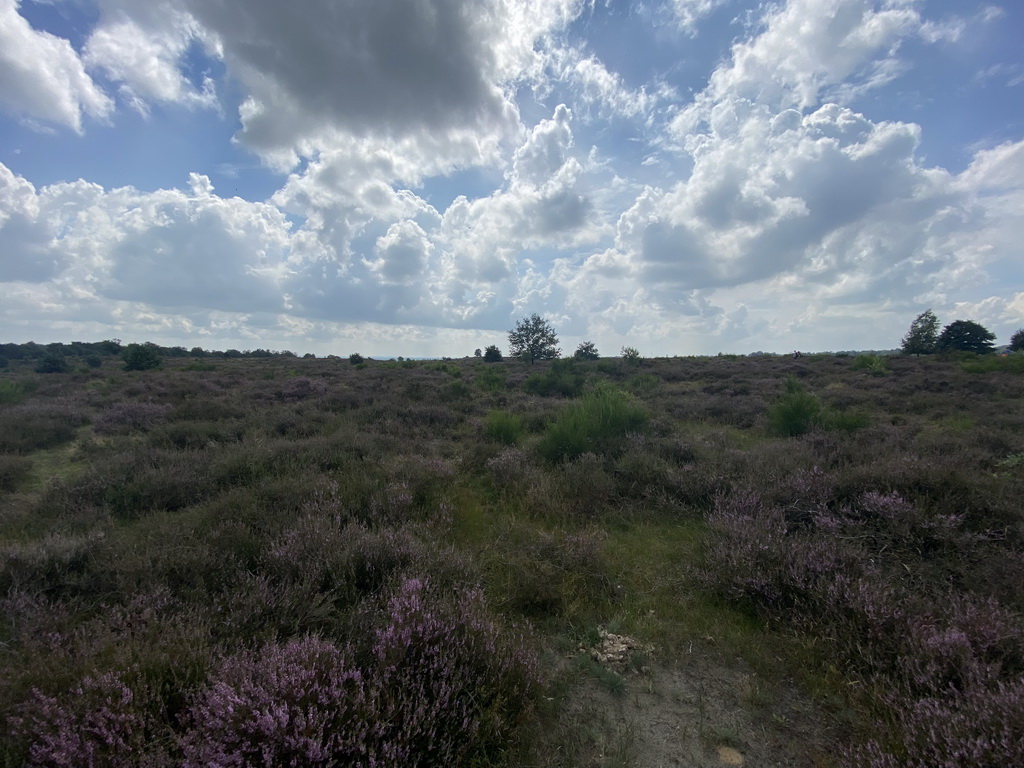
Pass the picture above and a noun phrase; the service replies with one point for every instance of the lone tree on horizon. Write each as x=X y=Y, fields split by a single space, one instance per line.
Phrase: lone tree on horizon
x=533 y=338
x=923 y=335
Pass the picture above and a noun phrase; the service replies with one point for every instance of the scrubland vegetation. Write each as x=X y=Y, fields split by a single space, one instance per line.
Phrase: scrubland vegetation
x=288 y=561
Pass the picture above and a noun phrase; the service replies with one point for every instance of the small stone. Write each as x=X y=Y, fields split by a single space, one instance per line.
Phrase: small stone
x=729 y=756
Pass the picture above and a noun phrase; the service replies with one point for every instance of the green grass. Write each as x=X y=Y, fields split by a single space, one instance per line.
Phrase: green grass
x=504 y=427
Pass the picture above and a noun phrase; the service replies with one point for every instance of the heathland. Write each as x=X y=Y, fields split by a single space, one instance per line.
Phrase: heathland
x=687 y=561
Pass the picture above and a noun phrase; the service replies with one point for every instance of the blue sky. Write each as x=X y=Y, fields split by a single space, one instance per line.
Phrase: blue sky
x=684 y=177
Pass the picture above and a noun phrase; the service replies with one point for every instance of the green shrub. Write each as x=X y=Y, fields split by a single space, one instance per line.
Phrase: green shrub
x=643 y=383
x=355 y=358
x=797 y=411
x=845 y=421
x=200 y=366
x=94 y=361
x=562 y=378
x=490 y=379
x=504 y=427
x=492 y=354
x=596 y=424
x=141 y=357
x=52 y=362
x=11 y=391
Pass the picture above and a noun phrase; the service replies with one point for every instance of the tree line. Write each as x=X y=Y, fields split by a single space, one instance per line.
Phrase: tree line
x=925 y=338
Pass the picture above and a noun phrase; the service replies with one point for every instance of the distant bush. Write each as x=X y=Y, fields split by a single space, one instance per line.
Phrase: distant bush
x=492 y=354
x=141 y=357
x=876 y=365
x=504 y=427
x=52 y=362
x=3 y=362
x=596 y=424
x=199 y=365
x=355 y=358
x=94 y=361
x=630 y=356
x=586 y=351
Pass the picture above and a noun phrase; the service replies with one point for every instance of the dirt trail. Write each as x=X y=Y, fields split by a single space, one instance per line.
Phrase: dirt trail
x=705 y=712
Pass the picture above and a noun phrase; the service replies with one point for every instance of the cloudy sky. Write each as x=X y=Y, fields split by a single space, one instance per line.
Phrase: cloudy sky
x=409 y=177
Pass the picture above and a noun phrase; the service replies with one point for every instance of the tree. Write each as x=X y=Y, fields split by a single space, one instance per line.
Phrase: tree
x=355 y=358
x=533 y=338
x=1017 y=341
x=140 y=357
x=492 y=354
x=922 y=336
x=966 y=336
x=586 y=351
x=477 y=352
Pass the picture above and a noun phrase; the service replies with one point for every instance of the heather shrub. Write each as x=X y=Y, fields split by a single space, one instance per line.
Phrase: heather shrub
x=301 y=388
x=300 y=703
x=597 y=424
x=509 y=469
x=123 y=418
x=452 y=684
x=13 y=471
x=586 y=485
x=39 y=424
x=545 y=575
x=504 y=427
x=101 y=722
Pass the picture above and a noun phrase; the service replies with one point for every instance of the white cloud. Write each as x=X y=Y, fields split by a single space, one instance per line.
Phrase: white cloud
x=402 y=253
x=807 y=48
x=42 y=77
x=689 y=13
x=147 y=61
x=396 y=69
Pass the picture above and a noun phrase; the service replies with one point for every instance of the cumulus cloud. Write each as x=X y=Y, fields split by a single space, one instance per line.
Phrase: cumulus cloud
x=42 y=77
x=396 y=68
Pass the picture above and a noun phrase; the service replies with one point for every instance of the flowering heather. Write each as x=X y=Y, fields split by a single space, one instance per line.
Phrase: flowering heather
x=98 y=723
x=122 y=418
x=298 y=704
x=301 y=388
x=450 y=681
x=441 y=681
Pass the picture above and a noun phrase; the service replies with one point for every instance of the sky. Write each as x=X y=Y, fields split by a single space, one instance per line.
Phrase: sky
x=412 y=177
